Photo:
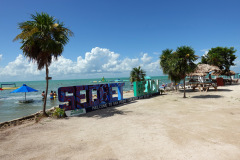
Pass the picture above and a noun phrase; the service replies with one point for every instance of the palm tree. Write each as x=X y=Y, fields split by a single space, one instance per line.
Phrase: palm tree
x=137 y=74
x=178 y=64
x=186 y=65
x=43 y=38
x=168 y=63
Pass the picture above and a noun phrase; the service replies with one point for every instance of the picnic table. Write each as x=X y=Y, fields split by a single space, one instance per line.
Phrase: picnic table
x=235 y=80
x=203 y=85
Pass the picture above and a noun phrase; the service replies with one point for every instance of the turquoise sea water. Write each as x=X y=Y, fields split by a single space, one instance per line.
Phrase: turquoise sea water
x=10 y=108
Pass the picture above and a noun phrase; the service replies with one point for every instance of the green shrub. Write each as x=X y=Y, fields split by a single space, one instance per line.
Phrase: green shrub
x=59 y=113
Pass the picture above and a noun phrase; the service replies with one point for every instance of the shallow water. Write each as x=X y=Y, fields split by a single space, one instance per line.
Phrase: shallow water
x=10 y=108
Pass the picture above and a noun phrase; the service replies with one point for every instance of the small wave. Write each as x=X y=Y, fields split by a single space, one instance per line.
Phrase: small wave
x=21 y=97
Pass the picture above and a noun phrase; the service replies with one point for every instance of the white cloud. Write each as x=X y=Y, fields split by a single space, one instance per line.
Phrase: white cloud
x=100 y=60
x=146 y=59
x=152 y=67
x=96 y=63
x=0 y=57
x=236 y=68
x=205 y=51
x=20 y=66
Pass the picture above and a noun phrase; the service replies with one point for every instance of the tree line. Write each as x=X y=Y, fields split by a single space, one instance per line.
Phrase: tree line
x=179 y=63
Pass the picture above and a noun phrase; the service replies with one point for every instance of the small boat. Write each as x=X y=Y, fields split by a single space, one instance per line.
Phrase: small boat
x=118 y=80
x=102 y=80
x=96 y=81
x=9 y=86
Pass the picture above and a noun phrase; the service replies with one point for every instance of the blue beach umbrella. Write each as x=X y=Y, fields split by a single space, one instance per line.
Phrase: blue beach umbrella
x=24 y=89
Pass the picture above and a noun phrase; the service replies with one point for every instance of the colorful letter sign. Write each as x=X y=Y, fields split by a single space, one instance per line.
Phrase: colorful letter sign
x=105 y=94
x=79 y=99
x=145 y=87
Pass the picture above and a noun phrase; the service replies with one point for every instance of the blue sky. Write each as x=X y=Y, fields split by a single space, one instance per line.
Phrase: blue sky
x=125 y=33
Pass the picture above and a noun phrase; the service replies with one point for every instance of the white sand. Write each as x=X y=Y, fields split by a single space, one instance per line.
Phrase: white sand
x=204 y=126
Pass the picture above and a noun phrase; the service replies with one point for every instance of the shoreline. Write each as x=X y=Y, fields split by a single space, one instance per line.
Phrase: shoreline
x=10 y=108
x=32 y=117
x=22 y=120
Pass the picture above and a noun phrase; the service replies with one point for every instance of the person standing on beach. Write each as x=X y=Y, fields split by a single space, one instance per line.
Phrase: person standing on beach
x=210 y=77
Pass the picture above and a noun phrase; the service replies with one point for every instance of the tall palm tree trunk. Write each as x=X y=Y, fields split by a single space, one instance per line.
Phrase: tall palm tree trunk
x=45 y=99
x=184 y=95
x=230 y=78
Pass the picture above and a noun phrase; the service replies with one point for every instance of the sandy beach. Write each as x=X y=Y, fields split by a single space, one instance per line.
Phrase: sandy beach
x=167 y=127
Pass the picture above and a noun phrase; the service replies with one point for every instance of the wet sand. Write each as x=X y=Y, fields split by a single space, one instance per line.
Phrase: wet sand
x=167 y=127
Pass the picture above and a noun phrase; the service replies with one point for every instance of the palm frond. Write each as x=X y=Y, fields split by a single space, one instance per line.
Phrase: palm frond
x=137 y=74
x=25 y=35
x=43 y=38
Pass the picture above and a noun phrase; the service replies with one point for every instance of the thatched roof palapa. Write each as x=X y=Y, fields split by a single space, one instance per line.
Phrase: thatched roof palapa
x=231 y=73
x=206 y=68
x=203 y=69
x=217 y=73
x=197 y=74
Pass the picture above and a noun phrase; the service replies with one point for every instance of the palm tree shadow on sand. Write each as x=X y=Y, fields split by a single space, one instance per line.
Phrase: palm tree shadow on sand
x=222 y=90
x=210 y=90
x=207 y=96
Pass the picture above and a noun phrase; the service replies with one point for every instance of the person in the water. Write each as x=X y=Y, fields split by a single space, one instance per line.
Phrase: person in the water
x=51 y=95
x=43 y=94
x=54 y=95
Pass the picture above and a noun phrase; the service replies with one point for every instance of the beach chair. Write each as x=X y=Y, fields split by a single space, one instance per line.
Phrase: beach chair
x=235 y=81
x=176 y=87
x=163 y=86
x=187 y=85
x=169 y=87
